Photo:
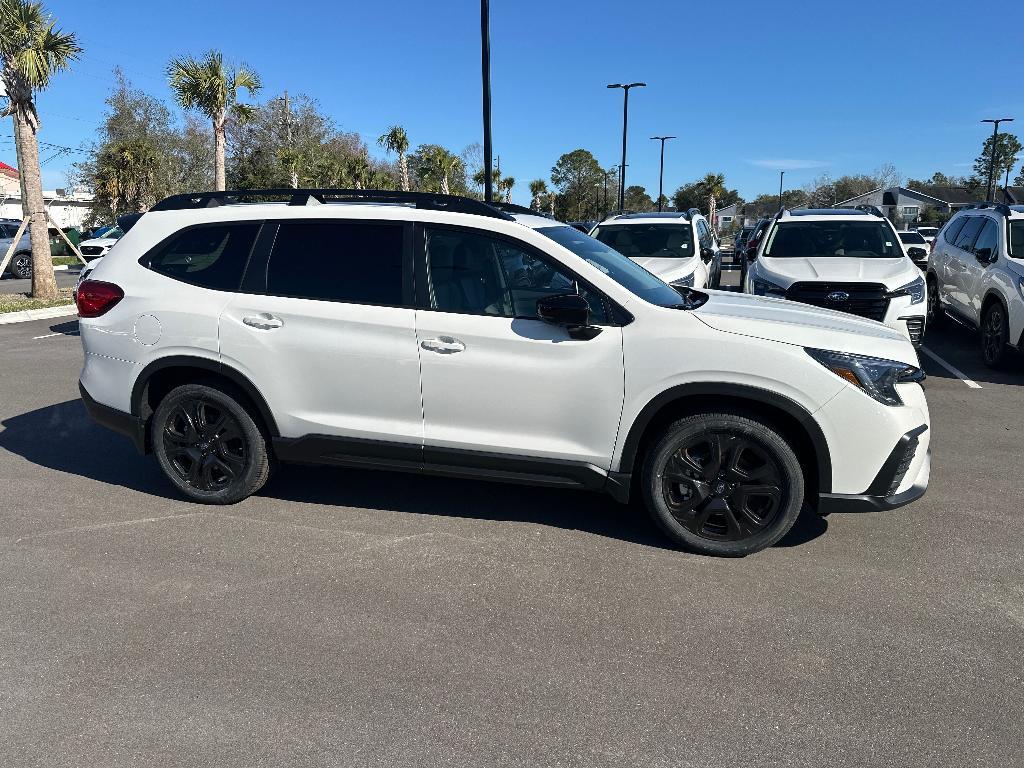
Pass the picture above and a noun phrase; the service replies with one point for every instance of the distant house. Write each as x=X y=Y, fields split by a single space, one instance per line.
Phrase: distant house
x=1013 y=195
x=904 y=205
x=725 y=217
x=67 y=207
x=10 y=180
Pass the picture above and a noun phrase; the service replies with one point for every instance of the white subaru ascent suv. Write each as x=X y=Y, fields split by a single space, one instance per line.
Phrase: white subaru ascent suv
x=846 y=259
x=446 y=336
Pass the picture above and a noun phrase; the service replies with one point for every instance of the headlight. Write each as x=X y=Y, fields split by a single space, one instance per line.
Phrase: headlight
x=766 y=288
x=914 y=289
x=683 y=282
x=876 y=377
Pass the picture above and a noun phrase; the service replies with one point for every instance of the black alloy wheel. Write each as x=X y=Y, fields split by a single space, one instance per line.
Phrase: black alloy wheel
x=994 y=335
x=933 y=311
x=21 y=266
x=209 y=446
x=723 y=484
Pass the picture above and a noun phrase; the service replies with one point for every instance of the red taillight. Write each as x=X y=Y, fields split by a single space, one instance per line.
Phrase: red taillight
x=96 y=297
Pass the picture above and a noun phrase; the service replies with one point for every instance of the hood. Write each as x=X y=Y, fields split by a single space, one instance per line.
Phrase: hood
x=839 y=269
x=803 y=325
x=661 y=265
x=104 y=241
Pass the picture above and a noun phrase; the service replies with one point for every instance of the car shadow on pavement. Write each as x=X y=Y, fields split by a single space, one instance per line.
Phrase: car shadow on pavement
x=69 y=328
x=62 y=437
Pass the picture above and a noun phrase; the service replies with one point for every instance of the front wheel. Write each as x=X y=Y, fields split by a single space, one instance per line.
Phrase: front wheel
x=208 y=445
x=21 y=266
x=934 y=310
x=723 y=484
x=995 y=332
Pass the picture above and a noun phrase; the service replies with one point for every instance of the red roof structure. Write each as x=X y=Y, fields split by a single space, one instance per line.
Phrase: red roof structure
x=8 y=170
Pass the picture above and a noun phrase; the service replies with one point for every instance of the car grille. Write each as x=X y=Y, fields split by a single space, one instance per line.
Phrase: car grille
x=915 y=326
x=903 y=466
x=91 y=250
x=864 y=299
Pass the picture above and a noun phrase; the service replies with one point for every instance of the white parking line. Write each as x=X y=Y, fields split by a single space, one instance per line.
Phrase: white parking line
x=955 y=371
x=45 y=336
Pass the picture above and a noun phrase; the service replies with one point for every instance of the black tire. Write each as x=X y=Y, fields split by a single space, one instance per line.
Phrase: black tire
x=995 y=334
x=723 y=484
x=21 y=265
x=934 y=310
x=209 y=446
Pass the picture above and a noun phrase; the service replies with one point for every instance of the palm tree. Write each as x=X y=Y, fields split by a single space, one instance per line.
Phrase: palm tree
x=126 y=175
x=396 y=141
x=359 y=170
x=440 y=165
x=538 y=188
x=32 y=51
x=211 y=88
x=506 y=186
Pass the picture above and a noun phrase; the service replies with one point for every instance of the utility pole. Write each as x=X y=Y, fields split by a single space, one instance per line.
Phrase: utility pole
x=293 y=174
x=485 y=63
x=661 y=172
x=606 y=175
x=781 y=174
x=992 y=153
x=625 y=122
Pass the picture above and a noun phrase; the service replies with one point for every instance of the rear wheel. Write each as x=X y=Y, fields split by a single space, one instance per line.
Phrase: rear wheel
x=934 y=310
x=995 y=333
x=21 y=265
x=208 y=445
x=723 y=484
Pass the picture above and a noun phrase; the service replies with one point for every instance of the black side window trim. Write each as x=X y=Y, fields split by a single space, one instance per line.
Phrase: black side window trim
x=145 y=259
x=255 y=281
x=617 y=316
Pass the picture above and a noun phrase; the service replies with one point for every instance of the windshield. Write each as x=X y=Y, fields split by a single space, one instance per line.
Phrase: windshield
x=929 y=231
x=108 y=231
x=816 y=239
x=626 y=273
x=912 y=238
x=1017 y=239
x=670 y=241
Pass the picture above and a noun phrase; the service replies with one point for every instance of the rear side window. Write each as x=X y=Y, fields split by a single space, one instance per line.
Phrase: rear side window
x=953 y=229
x=969 y=232
x=212 y=256
x=345 y=261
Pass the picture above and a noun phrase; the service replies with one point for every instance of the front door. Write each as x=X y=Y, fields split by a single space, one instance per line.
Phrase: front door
x=496 y=379
x=985 y=249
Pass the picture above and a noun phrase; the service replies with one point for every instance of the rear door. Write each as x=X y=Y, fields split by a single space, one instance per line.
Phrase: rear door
x=985 y=248
x=324 y=328
x=499 y=384
x=958 y=265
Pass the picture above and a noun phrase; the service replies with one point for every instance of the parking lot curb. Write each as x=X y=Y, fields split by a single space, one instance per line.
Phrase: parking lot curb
x=38 y=314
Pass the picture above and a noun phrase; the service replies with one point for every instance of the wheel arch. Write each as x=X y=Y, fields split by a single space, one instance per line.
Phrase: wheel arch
x=161 y=376
x=993 y=295
x=786 y=415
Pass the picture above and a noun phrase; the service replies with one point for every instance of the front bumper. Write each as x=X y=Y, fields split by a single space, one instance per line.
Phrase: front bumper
x=126 y=424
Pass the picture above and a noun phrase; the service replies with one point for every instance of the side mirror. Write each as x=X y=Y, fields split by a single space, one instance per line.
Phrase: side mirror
x=569 y=310
x=984 y=255
x=707 y=254
x=917 y=253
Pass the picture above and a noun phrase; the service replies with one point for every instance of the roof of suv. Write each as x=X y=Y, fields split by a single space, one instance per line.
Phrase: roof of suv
x=827 y=214
x=653 y=217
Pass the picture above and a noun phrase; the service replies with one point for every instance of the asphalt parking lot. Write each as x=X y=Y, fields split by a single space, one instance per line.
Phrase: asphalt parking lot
x=65 y=279
x=359 y=618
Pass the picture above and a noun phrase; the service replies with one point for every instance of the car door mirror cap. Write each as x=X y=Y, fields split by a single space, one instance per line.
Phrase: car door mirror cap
x=707 y=254
x=569 y=310
x=984 y=255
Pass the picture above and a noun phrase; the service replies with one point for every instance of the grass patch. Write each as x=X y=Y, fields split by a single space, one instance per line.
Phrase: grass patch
x=66 y=261
x=16 y=302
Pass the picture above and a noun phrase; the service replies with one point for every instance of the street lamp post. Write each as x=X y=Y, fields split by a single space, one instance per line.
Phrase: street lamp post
x=485 y=62
x=992 y=153
x=781 y=174
x=661 y=171
x=606 y=175
x=625 y=122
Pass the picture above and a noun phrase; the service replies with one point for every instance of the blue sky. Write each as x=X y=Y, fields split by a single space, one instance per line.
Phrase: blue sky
x=748 y=87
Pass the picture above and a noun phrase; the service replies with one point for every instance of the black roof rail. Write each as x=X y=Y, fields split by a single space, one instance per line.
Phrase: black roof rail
x=423 y=200
x=513 y=208
x=1000 y=208
x=874 y=209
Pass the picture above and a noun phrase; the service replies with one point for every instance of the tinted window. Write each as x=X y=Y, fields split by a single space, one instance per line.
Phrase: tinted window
x=815 y=239
x=8 y=230
x=912 y=238
x=1017 y=239
x=989 y=238
x=353 y=262
x=969 y=232
x=211 y=257
x=671 y=241
x=953 y=229
x=626 y=273
x=474 y=274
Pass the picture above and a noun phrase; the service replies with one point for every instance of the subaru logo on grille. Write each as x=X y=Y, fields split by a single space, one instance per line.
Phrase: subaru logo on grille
x=838 y=296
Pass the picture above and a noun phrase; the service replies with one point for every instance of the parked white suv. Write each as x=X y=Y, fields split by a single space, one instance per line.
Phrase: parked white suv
x=976 y=275
x=846 y=259
x=444 y=336
x=680 y=248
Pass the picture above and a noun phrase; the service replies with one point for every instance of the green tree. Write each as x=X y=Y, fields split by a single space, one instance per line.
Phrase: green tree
x=697 y=194
x=127 y=175
x=505 y=187
x=637 y=199
x=437 y=169
x=576 y=178
x=211 y=88
x=32 y=51
x=396 y=141
x=538 y=194
x=1007 y=148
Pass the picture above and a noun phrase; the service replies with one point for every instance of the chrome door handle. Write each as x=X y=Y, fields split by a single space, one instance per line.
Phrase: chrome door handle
x=264 y=322
x=443 y=345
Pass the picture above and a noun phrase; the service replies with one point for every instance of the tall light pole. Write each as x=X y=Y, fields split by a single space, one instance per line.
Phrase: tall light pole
x=661 y=171
x=781 y=174
x=606 y=175
x=992 y=154
x=485 y=62
x=625 y=122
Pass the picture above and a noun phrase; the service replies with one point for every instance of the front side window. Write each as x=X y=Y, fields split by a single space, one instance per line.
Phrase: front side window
x=344 y=261
x=476 y=274
x=635 y=241
x=815 y=239
x=212 y=256
x=987 y=243
x=1017 y=239
x=965 y=239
